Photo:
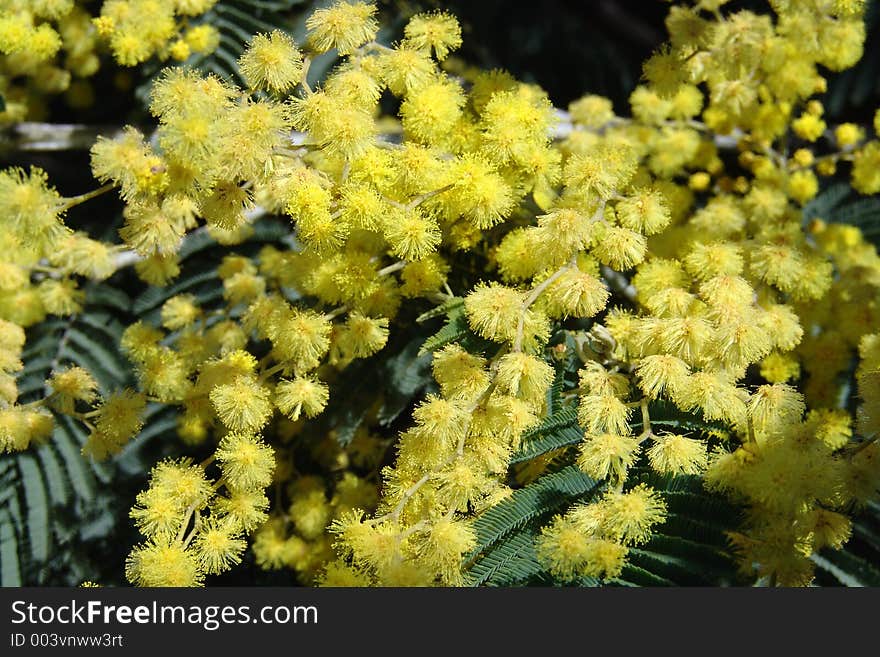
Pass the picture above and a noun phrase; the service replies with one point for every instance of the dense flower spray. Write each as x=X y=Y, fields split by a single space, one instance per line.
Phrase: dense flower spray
x=686 y=268
x=50 y=47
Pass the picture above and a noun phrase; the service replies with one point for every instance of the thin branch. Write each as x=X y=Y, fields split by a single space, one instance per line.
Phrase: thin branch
x=72 y=201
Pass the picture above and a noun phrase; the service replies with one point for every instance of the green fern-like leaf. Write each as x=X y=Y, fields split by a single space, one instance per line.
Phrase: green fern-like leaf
x=839 y=204
x=455 y=330
x=555 y=432
x=511 y=562
x=45 y=479
x=443 y=309
x=521 y=514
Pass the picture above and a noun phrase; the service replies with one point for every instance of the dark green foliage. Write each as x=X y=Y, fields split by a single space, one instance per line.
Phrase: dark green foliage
x=377 y=389
x=690 y=548
x=853 y=93
x=53 y=500
x=454 y=330
x=838 y=203
x=557 y=431
x=505 y=533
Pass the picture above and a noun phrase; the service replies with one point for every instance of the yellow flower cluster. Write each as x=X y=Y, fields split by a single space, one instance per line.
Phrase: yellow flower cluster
x=195 y=526
x=676 y=236
x=138 y=30
x=46 y=47
x=50 y=47
x=40 y=269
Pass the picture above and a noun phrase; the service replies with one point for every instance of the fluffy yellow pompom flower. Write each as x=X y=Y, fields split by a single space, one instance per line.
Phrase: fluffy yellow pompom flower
x=310 y=512
x=202 y=39
x=866 y=169
x=592 y=111
x=301 y=395
x=780 y=368
x=334 y=122
x=809 y=126
x=461 y=375
x=429 y=113
x=423 y=276
x=163 y=562
x=363 y=336
x=437 y=31
x=662 y=374
x=630 y=516
x=245 y=508
x=301 y=337
x=567 y=551
x=179 y=312
x=645 y=212
x=119 y=417
x=479 y=192
x=596 y=380
x=343 y=25
x=714 y=395
x=129 y=162
x=524 y=376
x=829 y=529
x=674 y=454
x=246 y=461
x=243 y=404
x=601 y=413
x=803 y=186
x=340 y=574
x=71 y=385
x=31 y=207
x=493 y=311
x=603 y=172
x=618 y=247
x=832 y=426
x=19 y=428
x=406 y=68
x=218 y=546
x=157 y=513
x=441 y=548
x=848 y=134
x=442 y=420
x=772 y=407
x=707 y=260
x=605 y=455
x=577 y=294
x=411 y=235
x=182 y=480
x=272 y=61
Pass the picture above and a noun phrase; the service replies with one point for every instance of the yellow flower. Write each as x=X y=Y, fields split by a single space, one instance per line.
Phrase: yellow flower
x=607 y=454
x=437 y=31
x=631 y=516
x=272 y=61
x=344 y=26
x=163 y=562
x=674 y=454
x=246 y=461
x=301 y=395
x=243 y=404
x=218 y=546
